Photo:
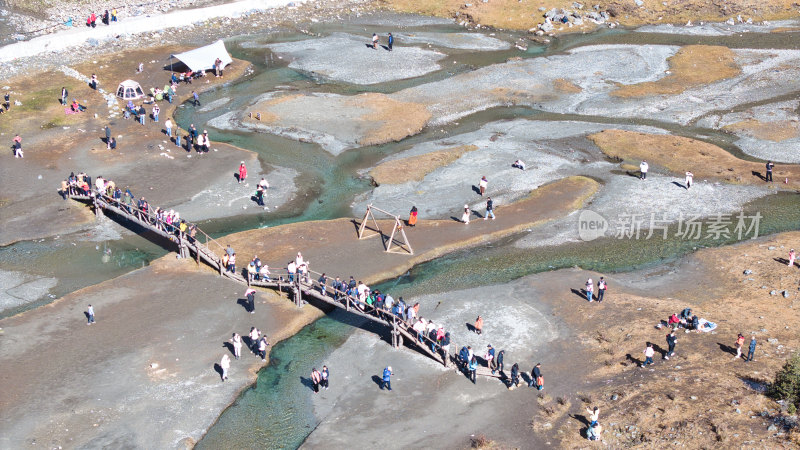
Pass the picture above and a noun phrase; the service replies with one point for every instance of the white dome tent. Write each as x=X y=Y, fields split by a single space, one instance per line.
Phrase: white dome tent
x=129 y=90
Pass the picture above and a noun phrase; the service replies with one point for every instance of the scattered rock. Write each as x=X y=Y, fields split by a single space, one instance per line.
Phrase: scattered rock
x=614 y=397
x=748 y=272
x=785 y=294
x=773 y=292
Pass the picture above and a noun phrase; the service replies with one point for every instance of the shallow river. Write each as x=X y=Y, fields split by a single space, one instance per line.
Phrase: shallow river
x=277 y=412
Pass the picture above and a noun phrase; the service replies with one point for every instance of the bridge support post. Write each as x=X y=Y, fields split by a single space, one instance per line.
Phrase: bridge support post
x=98 y=211
x=298 y=293
x=395 y=333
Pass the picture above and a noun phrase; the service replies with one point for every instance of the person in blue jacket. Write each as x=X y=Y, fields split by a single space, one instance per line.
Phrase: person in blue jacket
x=387 y=378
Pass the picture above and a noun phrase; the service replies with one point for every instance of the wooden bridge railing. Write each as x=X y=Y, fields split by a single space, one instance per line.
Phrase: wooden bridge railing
x=201 y=245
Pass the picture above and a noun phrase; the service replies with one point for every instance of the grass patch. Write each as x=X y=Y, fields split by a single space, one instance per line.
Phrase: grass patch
x=691 y=66
x=415 y=168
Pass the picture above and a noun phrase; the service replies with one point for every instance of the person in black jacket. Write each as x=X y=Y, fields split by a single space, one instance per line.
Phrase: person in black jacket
x=514 y=376
x=671 y=340
x=536 y=377
x=497 y=362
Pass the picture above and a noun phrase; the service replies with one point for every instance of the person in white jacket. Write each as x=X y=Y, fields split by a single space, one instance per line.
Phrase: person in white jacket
x=643 y=167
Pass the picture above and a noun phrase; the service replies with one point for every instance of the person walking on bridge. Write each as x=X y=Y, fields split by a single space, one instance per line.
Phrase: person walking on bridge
x=387 y=378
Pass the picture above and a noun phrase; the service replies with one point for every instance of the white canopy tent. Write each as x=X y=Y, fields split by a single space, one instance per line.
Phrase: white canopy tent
x=201 y=59
x=129 y=90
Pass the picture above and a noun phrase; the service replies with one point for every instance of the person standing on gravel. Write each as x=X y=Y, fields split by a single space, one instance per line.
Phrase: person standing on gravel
x=315 y=379
x=236 y=340
x=483 y=184
x=770 y=166
x=643 y=168
x=90 y=315
x=739 y=344
x=391 y=41
x=601 y=289
x=325 y=375
x=17 y=144
x=589 y=288
x=752 y=350
x=465 y=215
x=498 y=362
x=489 y=208
x=156 y=112
x=168 y=126
x=64 y=95
x=387 y=378
x=225 y=364
x=671 y=341
x=374 y=41
x=242 y=172
x=251 y=300
x=514 y=376
x=108 y=136
x=792 y=257
x=536 y=377
x=648 y=355
x=479 y=325
x=594 y=415
x=689 y=180
x=262 y=348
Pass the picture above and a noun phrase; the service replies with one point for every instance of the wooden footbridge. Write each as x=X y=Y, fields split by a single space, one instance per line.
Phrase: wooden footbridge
x=194 y=243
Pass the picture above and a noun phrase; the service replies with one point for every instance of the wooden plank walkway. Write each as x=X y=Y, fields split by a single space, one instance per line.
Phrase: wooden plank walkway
x=203 y=248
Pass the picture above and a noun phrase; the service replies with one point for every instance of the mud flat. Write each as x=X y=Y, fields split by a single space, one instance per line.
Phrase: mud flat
x=350 y=58
x=446 y=407
x=623 y=81
x=769 y=132
x=552 y=150
x=143 y=375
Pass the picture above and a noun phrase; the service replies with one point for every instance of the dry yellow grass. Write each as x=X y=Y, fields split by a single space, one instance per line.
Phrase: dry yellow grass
x=563 y=85
x=679 y=154
x=414 y=168
x=263 y=107
x=772 y=131
x=394 y=120
x=693 y=65
x=658 y=404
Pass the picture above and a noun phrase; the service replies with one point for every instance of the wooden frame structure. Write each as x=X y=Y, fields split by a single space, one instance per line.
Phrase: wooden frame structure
x=398 y=226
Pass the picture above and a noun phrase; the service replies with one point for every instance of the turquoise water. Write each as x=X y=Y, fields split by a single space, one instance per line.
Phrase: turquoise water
x=76 y=263
x=277 y=412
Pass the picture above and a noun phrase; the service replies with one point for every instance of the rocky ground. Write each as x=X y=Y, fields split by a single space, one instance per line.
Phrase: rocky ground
x=698 y=398
x=192 y=312
x=655 y=83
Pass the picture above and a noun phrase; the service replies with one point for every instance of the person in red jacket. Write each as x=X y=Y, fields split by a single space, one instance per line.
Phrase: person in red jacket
x=242 y=172
x=91 y=21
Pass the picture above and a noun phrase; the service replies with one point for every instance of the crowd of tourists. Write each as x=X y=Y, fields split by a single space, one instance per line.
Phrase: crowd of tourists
x=168 y=221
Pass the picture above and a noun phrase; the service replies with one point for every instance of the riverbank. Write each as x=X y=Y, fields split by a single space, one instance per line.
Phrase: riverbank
x=197 y=311
x=699 y=396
